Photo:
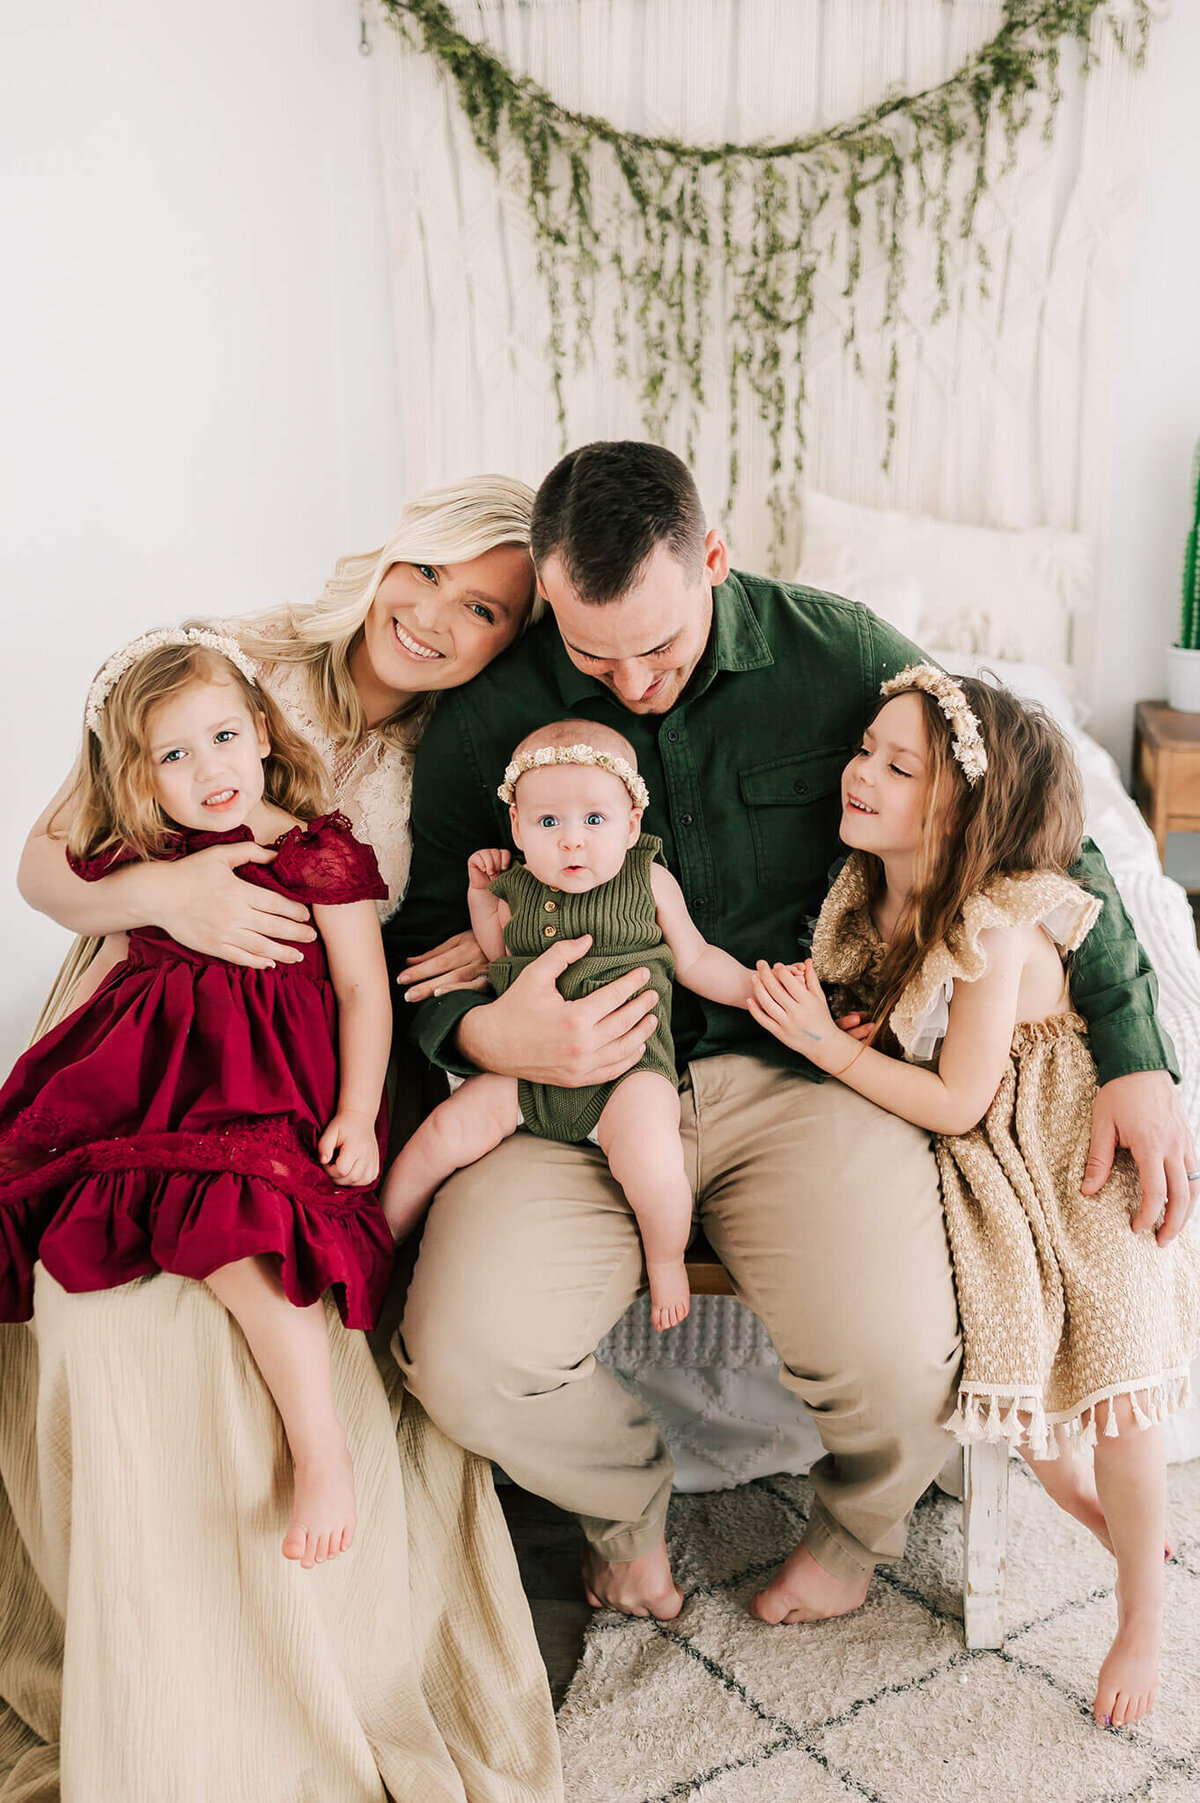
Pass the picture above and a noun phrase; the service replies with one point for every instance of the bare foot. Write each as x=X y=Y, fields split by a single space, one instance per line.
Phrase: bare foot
x=802 y=1590
x=1071 y=1483
x=323 y=1513
x=1129 y=1675
x=670 y=1297
x=634 y=1586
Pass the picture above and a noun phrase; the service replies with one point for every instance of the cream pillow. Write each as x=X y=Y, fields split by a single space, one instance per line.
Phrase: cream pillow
x=963 y=588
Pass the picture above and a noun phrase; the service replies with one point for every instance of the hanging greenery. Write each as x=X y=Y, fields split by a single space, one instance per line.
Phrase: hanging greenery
x=762 y=214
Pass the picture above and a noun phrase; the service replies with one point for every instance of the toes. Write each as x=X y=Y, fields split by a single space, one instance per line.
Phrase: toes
x=293 y=1543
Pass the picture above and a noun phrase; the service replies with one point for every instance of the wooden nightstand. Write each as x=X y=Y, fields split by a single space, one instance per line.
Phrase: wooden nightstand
x=1166 y=770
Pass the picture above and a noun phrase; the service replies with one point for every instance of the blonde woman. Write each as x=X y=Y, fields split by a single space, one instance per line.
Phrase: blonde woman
x=154 y=1642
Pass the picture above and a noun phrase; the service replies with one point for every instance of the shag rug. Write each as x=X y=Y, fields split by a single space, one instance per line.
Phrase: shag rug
x=885 y=1705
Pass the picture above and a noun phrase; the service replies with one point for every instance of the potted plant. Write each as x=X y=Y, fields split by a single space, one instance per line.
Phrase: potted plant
x=1183 y=658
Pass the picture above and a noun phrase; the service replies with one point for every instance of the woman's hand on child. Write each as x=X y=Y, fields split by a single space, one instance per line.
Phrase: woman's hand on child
x=788 y=1001
x=456 y=963
x=482 y=866
x=349 y=1150
x=201 y=902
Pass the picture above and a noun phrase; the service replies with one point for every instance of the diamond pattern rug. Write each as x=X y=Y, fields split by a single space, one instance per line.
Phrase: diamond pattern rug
x=886 y=1705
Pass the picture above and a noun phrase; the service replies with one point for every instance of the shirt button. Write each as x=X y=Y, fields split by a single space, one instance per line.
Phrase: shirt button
x=672 y=735
x=800 y=787
x=549 y=906
x=549 y=932
x=700 y=901
x=685 y=819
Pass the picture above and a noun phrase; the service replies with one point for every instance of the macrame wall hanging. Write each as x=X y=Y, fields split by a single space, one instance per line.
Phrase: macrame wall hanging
x=650 y=248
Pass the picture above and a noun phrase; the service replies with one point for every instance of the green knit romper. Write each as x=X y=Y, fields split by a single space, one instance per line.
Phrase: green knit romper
x=620 y=915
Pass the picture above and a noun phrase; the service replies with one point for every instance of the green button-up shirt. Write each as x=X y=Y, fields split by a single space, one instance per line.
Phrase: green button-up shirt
x=744 y=778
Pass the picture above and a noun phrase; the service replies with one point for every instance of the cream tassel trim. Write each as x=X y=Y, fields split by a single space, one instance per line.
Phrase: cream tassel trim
x=990 y=1412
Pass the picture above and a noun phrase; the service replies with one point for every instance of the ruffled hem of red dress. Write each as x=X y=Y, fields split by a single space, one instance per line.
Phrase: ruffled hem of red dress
x=108 y=1229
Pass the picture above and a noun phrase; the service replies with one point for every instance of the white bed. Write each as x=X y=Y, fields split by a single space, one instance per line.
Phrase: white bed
x=713 y=1382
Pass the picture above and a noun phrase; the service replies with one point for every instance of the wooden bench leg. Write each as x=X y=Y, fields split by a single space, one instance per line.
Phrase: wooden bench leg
x=985 y=1513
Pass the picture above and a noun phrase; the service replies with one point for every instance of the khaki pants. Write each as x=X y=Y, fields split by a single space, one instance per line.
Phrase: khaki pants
x=824 y=1210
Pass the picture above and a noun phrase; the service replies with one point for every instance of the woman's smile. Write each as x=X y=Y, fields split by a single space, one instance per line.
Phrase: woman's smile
x=414 y=646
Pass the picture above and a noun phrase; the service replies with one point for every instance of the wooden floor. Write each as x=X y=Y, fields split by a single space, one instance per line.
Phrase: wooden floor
x=549 y=1549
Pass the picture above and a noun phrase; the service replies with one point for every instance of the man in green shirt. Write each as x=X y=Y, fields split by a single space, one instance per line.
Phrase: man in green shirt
x=743 y=699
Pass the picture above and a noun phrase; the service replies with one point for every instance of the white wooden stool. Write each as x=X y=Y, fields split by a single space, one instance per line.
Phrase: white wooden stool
x=978 y=1473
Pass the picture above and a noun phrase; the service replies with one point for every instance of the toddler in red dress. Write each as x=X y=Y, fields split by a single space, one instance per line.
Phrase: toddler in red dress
x=206 y=1118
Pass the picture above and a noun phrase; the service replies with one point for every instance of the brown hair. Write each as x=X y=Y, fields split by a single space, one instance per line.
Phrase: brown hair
x=604 y=508
x=112 y=796
x=1024 y=813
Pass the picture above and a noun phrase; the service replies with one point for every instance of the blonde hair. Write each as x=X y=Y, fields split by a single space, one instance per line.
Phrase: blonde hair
x=1024 y=813
x=112 y=799
x=453 y=524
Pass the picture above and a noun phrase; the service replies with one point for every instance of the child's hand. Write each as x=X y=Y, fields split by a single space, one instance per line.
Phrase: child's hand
x=787 y=1000
x=482 y=866
x=349 y=1150
x=859 y=1026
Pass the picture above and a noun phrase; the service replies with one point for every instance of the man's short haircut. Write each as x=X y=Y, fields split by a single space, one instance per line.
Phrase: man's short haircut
x=602 y=510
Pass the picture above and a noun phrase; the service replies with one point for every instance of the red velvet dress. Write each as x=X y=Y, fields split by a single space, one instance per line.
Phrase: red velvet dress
x=171 y=1122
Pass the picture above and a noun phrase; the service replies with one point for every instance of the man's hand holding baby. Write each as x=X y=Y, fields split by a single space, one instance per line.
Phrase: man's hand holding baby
x=532 y=1032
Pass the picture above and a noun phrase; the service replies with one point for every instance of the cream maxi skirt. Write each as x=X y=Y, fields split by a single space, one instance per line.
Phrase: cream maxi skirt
x=155 y=1646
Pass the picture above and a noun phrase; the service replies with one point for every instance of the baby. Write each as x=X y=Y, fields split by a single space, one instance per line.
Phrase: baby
x=576 y=802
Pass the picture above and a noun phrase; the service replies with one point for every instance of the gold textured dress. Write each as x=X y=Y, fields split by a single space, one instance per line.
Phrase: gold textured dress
x=1063 y=1308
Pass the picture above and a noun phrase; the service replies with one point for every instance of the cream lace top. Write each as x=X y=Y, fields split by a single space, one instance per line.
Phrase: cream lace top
x=847 y=949
x=372 y=782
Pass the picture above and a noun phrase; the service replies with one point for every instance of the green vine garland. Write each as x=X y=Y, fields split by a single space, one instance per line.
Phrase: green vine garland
x=669 y=217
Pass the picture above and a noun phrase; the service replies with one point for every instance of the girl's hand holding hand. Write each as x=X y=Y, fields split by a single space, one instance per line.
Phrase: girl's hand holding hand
x=788 y=1001
x=456 y=963
x=349 y=1150
x=859 y=1026
x=482 y=866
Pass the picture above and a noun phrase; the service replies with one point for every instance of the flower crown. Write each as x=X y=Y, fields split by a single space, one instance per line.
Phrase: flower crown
x=137 y=649
x=574 y=754
x=968 y=741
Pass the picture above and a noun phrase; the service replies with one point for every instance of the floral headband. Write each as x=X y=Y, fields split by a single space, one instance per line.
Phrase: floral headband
x=574 y=754
x=968 y=741
x=134 y=652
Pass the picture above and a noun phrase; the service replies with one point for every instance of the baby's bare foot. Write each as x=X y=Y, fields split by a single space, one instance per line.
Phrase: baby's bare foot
x=670 y=1296
x=802 y=1590
x=323 y=1513
x=1129 y=1675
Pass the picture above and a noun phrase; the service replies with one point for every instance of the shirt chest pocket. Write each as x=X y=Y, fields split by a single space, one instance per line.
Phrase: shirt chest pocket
x=794 y=806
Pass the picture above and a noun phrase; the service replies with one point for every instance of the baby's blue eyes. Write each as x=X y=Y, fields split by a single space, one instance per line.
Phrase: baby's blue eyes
x=549 y=821
x=594 y=820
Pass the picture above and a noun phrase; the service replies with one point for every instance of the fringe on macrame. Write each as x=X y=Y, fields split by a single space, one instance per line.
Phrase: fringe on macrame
x=1019 y=1417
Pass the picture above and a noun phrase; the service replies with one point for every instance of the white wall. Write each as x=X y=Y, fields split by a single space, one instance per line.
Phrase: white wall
x=1157 y=397
x=197 y=369
x=196 y=357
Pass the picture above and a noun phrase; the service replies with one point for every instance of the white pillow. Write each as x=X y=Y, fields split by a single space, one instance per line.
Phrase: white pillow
x=964 y=588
